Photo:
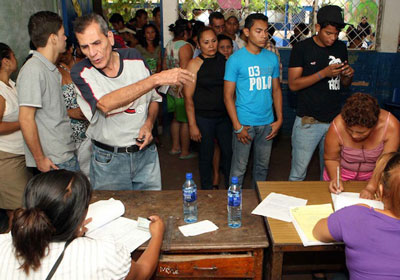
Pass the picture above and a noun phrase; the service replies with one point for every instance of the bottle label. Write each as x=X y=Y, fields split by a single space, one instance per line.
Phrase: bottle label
x=234 y=200
x=189 y=195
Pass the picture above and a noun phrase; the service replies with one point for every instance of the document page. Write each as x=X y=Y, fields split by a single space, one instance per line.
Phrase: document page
x=304 y=219
x=103 y=212
x=278 y=206
x=345 y=199
x=122 y=230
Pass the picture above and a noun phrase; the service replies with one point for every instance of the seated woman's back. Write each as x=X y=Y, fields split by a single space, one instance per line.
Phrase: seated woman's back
x=84 y=258
x=372 y=242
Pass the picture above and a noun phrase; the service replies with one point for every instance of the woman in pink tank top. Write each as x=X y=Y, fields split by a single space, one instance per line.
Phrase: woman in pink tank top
x=355 y=140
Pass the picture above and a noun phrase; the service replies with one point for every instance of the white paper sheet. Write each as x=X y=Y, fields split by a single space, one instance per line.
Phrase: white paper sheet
x=198 y=228
x=278 y=206
x=103 y=212
x=345 y=199
x=122 y=230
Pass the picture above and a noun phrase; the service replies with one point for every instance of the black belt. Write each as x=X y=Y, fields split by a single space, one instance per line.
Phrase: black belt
x=129 y=149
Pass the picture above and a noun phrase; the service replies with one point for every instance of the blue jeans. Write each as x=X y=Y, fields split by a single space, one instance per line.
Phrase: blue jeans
x=71 y=164
x=305 y=139
x=211 y=128
x=261 y=154
x=125 y=171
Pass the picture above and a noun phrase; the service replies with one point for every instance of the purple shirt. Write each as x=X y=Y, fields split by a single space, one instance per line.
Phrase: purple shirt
x=372 y=242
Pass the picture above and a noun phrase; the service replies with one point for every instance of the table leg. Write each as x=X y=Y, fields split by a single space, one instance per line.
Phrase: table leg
x=276 y=262
x=258 y=264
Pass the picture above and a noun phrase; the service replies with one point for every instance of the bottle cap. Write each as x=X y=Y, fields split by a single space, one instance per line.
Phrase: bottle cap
x=235 y=180
x=189 y=176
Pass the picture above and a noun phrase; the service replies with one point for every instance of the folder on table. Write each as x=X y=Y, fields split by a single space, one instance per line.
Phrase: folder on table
x=304 y=218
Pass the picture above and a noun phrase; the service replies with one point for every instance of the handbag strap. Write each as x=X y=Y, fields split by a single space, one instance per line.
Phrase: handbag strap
x=57 y=263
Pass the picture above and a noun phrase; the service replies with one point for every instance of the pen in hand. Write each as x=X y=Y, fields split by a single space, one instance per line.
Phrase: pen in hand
x=338 y=180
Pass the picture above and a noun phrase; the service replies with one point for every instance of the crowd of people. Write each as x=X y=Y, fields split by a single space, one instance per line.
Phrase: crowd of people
x=96 y=114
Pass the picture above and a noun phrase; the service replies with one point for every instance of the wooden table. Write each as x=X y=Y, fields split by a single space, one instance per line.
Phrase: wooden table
x=283 y=235
x=225 y=253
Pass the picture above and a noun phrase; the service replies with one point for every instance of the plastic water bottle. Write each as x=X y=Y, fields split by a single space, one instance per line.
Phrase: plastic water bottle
x=189 y=190
x=235 y=204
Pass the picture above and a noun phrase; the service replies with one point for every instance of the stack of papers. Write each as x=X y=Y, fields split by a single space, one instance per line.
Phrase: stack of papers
x=345 y=199
x=278 y=206
x=198 y=228
x=304 y=219
x=107 y=224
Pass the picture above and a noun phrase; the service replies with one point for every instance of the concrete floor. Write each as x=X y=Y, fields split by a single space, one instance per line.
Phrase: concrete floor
x=173 y=171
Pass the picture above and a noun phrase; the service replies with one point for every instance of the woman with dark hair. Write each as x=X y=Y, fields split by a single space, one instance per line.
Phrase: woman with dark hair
x=78 y=121
x=178 y=53
x=51 y=227
x=371 y=236
x=205 y=107
x=355 y=140
x=13 y=172
x=150 y=48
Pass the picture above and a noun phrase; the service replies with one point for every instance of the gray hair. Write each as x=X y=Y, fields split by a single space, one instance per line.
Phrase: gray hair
x=81 y=23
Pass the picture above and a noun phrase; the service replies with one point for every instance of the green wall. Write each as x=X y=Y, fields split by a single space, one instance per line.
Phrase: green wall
x=14 y=16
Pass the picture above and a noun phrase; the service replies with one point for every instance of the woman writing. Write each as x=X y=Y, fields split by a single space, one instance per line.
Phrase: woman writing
x=371 y=236
x=51 y=226
x=13 y=172
x=355 y=140
x=204 y=102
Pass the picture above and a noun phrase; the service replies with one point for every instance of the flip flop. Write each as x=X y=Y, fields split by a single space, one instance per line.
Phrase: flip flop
x=189 y=156
x=172 y=153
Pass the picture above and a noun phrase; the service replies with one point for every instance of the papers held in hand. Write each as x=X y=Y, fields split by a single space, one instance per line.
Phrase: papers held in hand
x=107 y=224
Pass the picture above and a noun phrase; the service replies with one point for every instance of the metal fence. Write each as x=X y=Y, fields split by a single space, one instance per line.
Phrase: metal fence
x=294 y=20
x=291 y=20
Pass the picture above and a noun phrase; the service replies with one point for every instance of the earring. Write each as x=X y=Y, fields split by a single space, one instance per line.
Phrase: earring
x=316 y=33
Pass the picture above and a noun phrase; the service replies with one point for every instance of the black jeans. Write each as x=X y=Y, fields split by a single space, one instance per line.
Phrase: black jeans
x=210 y=129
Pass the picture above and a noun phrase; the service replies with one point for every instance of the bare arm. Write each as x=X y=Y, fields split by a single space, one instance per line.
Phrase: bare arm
x=229 y=99
x=6 y=127
x=76 y=114
x=147 y=263
x=125 y=95
x=188 y=92
x=31 y=136
x=391 y=144
x=185 y=55
x=277 y=97
x=298 y=82
x=332 y=158
x=321 y=231
x=159 y=63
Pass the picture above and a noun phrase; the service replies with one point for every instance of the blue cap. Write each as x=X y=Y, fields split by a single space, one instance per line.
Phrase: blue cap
x=189 y=176
x=235 y=180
